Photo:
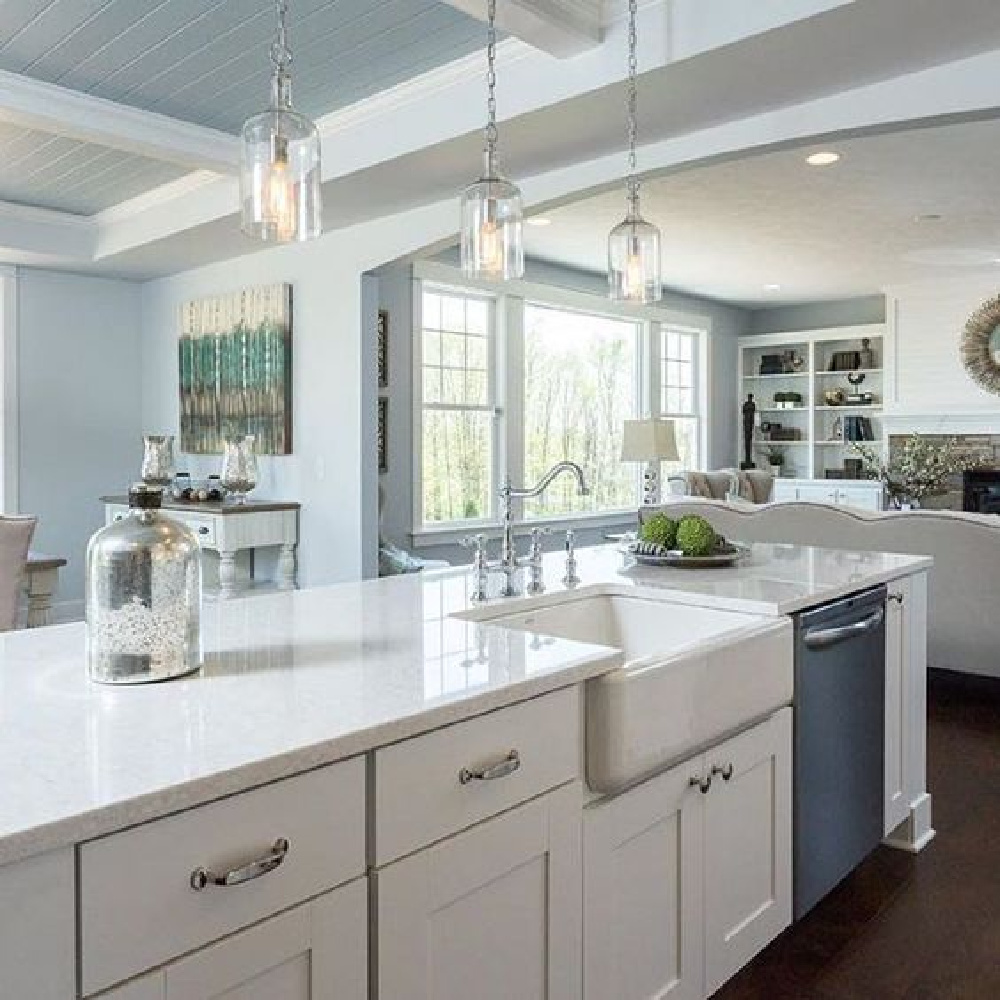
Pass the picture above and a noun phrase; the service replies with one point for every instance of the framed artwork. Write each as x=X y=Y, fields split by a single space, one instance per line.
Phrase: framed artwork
x=235 y=370
x=383 y=349
x=383 y=432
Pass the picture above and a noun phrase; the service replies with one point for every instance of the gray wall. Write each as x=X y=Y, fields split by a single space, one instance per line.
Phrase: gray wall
x=395 y=294
x=79 y=385
x=818 y=315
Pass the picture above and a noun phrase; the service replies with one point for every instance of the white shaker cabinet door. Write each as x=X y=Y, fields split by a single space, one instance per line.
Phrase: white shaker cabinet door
x=643 y=899
x=317 y=951
x=491 y=913
x=748 y=846
x=38 y=928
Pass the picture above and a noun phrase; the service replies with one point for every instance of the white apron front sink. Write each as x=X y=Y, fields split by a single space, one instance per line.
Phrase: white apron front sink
x=690 y=677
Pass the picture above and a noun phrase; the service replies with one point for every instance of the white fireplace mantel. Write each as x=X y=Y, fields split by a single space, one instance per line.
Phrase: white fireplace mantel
x=973 y=421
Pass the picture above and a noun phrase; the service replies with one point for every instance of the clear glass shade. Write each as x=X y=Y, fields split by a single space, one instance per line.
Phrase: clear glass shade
x=492 y=230
x=634 y=261
x=280 y=177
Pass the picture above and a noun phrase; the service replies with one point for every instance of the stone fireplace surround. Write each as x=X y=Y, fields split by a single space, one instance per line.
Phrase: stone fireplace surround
x=976 y=432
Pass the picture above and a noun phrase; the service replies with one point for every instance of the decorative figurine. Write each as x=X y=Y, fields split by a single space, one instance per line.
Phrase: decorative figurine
x=749 y=416
x=867 y=355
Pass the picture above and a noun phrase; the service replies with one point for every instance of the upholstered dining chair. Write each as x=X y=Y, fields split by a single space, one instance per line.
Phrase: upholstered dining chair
x=15 y=538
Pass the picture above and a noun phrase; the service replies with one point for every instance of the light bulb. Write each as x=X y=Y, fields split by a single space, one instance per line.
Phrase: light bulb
x=635 y=282
x=491 y=246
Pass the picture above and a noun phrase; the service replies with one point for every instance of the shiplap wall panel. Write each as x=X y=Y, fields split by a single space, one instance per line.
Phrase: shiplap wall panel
x=929 y=323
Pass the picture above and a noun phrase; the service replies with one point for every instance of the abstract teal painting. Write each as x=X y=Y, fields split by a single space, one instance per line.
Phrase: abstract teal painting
x=235 y=360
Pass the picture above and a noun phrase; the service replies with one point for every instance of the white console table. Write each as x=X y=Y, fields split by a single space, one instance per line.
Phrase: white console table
x=864 y=493
x=228 y=529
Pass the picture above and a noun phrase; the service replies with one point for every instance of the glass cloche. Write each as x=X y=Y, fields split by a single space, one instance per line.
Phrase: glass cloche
x=143 y=596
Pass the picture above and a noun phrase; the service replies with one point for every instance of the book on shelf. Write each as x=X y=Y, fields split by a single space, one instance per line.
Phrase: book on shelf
x=858 y=428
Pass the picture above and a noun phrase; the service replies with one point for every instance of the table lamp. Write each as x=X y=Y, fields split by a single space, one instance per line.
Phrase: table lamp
x=651 y=441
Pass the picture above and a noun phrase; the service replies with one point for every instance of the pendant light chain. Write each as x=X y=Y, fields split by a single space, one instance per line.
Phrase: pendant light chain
x=632 y=180
x=491 y=85
x=281 y=52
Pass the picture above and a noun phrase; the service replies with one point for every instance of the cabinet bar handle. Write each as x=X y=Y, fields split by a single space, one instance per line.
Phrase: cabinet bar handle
x=203 y=530
x=201 y=878
x=505 y=767
x=725 y=773
x=898 y=598
x=702 y=784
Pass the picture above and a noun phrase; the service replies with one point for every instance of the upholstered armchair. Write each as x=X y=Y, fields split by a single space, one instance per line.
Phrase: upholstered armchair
x=751 y=485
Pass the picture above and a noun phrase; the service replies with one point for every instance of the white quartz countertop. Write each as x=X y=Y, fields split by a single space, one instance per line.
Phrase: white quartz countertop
x=775 y=579
x=299 y=679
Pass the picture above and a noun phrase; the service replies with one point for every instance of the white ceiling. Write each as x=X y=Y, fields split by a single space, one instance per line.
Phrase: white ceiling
x=730 y=229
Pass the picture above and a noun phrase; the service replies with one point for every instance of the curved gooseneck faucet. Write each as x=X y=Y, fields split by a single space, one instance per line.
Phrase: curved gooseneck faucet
x=509 y=493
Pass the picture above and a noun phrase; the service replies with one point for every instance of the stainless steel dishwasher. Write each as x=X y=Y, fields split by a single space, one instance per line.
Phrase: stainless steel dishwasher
x=839 y=741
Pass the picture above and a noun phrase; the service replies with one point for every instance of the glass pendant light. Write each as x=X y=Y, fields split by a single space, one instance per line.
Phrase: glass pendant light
x=280 y=160
x=492 y=215
x=634 y=244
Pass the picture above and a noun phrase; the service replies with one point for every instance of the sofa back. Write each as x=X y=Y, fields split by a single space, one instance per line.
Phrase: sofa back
x=964 y=585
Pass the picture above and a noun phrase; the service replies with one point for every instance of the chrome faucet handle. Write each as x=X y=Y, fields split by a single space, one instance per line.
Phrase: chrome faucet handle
x=536 y=585
x=571 y=579
x=480 y=569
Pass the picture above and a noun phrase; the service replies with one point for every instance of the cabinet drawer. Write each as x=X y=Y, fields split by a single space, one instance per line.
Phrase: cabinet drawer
x=137 y=904
x=421 y=794
x=203 y=527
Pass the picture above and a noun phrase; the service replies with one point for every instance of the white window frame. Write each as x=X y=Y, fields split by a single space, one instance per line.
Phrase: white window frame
x=699 y=381
x=507 y=380
x=496 y=383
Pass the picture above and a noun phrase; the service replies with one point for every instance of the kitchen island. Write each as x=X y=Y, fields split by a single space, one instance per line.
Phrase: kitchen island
x=376 y=781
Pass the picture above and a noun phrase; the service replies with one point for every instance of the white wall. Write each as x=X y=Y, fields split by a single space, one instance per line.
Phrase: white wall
x=928 y=320
x=79 y=408
x=332 y=471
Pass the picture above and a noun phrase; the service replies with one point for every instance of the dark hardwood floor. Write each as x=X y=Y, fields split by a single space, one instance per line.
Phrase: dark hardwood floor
x=903 y=927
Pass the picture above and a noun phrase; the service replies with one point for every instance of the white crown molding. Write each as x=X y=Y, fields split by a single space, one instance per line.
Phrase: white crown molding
x=75 y=115
x=562 y=28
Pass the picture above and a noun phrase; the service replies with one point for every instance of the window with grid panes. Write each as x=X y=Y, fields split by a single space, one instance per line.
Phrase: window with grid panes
x=457 y=406
x=679 y=394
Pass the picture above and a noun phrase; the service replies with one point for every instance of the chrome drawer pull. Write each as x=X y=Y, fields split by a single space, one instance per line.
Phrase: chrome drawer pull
x=201 y=878
x=702 y=784
x=726 y=773
x=510 y=764
x=203 y=530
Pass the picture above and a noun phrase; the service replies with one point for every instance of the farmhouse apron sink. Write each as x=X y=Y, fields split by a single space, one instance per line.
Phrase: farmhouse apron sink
x=690 y=676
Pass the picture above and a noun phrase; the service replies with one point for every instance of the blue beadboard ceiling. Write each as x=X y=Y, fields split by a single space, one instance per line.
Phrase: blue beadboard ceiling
x=202 y=61
x=206 y=61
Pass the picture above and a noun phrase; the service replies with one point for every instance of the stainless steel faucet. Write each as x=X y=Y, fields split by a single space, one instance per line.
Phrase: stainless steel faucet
x=509 y=562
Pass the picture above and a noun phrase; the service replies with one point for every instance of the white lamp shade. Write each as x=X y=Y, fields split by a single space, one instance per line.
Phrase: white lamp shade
x=649 y=441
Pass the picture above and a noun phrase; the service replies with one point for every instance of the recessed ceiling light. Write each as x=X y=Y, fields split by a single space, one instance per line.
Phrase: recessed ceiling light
x=539 y=220
x=823 y=159
x=772 y=288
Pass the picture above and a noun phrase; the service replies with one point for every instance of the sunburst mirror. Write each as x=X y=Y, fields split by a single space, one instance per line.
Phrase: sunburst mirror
x=981 y=346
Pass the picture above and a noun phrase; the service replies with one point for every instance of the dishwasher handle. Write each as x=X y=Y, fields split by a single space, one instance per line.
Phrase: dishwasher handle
x=820 y=638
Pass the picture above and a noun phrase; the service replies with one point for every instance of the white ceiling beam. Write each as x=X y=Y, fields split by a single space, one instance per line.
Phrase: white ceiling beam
x=563 y=28
x=48 y=107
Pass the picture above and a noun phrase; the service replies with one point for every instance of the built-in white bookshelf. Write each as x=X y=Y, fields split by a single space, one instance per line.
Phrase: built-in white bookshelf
x=801 y=398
